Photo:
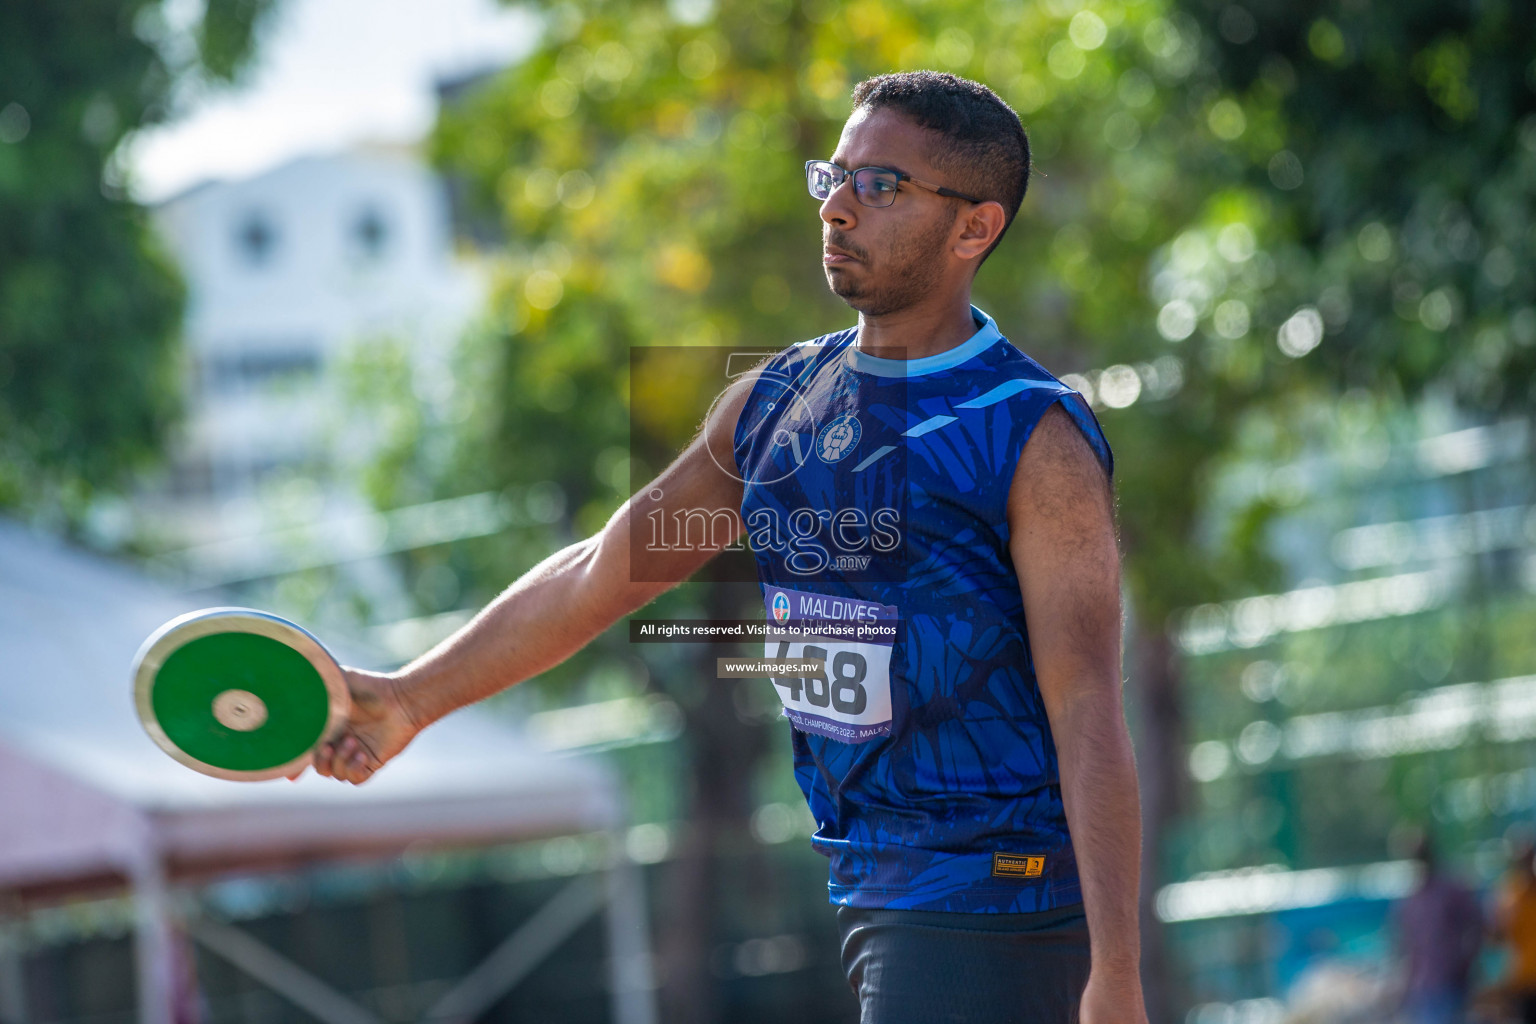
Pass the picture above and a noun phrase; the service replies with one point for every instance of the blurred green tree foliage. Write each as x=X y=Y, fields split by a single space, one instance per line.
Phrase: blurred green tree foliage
x=90 y=306
x=1401 y=185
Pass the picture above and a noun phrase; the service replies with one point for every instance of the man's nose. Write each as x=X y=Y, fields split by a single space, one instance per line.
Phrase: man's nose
x=838 y=208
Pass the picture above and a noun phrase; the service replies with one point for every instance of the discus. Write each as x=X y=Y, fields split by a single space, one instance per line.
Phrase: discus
x=237 y=693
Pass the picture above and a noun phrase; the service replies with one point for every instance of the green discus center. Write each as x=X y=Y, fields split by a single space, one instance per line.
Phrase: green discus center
x=200 y=672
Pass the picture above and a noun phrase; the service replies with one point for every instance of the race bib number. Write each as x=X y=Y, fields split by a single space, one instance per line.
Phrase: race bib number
x=850 y=700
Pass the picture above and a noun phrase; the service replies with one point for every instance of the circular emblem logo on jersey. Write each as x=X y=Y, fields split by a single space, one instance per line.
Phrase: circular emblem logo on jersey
x=838 y=438
x=781 y=607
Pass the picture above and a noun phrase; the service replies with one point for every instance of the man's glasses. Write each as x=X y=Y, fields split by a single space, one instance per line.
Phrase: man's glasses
x=872 y=186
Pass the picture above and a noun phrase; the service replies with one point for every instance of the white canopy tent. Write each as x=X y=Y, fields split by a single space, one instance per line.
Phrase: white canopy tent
x=87 y=800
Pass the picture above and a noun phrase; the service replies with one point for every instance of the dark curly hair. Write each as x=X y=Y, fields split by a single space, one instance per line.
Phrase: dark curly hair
x=984 y=150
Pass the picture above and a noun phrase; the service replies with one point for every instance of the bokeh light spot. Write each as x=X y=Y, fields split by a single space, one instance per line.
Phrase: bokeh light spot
x=1226 y=119
x=543 y=289
x=1066 y=61
x=1087 y=30
x=1301 y=333
x=1285 y=170
x=1176 y=320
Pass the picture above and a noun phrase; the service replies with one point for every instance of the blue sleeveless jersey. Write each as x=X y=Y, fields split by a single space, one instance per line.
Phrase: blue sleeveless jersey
x=875 y=502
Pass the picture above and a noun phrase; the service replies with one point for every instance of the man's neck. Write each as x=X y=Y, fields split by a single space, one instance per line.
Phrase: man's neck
x=917 y=332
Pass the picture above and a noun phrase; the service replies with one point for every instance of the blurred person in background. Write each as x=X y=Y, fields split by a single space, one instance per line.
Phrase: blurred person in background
x=1438 y=931
x=1514 y=925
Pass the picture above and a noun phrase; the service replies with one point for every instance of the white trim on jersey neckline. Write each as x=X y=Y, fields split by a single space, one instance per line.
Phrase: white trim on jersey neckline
x=985 y=337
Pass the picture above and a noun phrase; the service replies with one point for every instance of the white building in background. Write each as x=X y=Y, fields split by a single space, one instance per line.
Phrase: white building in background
x=286 y=273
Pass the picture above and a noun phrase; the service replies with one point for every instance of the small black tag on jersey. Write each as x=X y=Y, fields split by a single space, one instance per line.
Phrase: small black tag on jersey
x=1017 y=865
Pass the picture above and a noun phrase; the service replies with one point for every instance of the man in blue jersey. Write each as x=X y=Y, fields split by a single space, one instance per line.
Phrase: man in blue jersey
x=963 y=749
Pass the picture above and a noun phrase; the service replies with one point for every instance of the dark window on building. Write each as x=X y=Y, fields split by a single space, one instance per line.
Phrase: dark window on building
x=256 y=238
x=370 y=233
x=231 y=372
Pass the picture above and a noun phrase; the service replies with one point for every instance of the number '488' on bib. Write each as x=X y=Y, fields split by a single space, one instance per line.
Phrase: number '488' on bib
x=851 y=699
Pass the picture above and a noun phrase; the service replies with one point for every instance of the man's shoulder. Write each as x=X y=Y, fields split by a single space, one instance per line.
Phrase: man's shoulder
x=810 y=346
x=831 y=337
x=759 y=389
x=793 y=358
x=1015 y=362
x=1054 y=404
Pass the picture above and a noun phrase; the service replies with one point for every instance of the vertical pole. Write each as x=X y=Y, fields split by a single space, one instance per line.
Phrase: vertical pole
x=633 y=989
x=154 y=953
x=13 y=986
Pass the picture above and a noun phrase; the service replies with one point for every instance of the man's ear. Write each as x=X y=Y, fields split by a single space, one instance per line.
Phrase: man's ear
x=980 y=224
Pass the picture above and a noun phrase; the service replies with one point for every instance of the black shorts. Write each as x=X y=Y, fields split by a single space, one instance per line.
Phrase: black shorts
x=911 y=966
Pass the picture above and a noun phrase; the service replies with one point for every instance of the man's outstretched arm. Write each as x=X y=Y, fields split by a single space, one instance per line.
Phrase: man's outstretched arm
x=550 y=613
x=1062 y=540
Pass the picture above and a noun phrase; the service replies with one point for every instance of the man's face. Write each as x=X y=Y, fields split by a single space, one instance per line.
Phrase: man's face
x=883 y=259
